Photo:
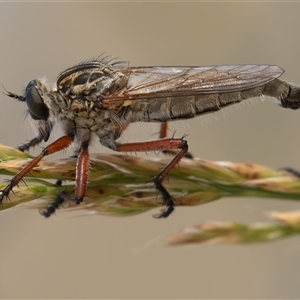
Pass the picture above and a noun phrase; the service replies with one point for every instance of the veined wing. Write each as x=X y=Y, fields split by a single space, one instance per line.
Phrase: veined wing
x=153 y=82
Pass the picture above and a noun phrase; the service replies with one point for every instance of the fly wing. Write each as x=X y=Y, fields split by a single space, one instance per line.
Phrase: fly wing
x=153 y=82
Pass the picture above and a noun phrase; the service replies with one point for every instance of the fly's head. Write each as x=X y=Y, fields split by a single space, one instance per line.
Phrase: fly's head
x=37 y=98
x=34 y=96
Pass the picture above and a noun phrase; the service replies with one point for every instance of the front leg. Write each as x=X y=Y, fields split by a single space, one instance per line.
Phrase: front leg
x=44 y=130
x=56 y=146
x=32 y=143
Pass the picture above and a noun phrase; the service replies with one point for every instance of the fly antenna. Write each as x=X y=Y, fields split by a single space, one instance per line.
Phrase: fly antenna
x=13 y=95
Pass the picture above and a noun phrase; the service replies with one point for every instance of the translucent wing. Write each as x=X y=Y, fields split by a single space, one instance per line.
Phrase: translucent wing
x=153 y=82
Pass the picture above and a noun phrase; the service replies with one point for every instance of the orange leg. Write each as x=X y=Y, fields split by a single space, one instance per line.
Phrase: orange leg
x=58 y=145
x=166 y=145
x=163 y=133
x=82 y=171
x=163 y=130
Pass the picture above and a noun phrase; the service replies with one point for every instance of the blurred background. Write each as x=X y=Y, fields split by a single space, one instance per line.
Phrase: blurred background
x=105 y=257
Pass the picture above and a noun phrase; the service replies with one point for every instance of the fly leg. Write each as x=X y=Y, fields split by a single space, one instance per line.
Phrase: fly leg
x=163 y=130
x=292 y=171
x=60 y=199
x=163 y=133
x=35 y=141
x=56 y=146
x=82 y=167
x=44 y=130
x=162 y=145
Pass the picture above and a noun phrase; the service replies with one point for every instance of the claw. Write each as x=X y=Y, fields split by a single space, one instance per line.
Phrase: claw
x=166 y=211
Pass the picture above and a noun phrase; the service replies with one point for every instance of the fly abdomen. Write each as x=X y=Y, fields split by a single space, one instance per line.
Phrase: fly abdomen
x=189 y=106
x=288 y=94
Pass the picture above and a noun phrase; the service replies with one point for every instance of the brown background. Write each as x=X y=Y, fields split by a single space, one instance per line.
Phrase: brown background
x=106 y=257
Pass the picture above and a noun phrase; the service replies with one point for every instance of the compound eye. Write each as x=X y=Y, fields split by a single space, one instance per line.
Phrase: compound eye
x=37 y=108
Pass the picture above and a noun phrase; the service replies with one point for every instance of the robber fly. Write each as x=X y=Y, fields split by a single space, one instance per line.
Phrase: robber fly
x=102 y=97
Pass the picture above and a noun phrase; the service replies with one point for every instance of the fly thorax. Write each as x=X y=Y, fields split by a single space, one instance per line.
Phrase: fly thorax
x=90 y=83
